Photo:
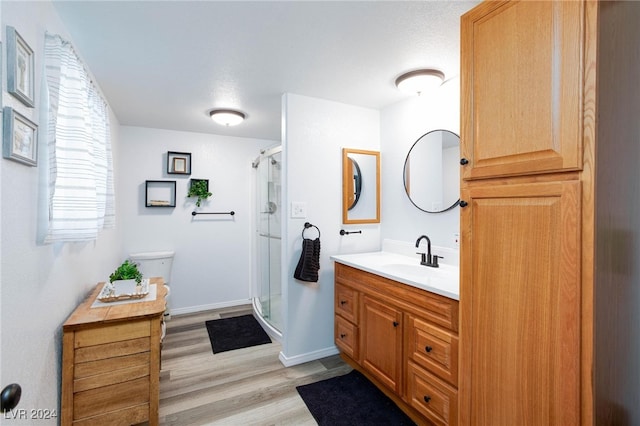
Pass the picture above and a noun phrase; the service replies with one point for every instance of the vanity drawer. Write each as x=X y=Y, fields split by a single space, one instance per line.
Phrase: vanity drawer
x=346 y=303
x=433 y=348
x=346 y=337
x=432 y=397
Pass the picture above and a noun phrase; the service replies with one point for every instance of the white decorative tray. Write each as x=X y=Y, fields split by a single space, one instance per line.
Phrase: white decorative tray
x=115 y=292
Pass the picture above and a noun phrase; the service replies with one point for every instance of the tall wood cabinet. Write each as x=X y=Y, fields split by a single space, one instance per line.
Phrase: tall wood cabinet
x=529 y=246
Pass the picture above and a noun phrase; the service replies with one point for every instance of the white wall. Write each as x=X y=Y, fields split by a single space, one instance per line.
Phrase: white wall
x=314 y=133
x=401 y=124
x=40 y=284
x=213 y=260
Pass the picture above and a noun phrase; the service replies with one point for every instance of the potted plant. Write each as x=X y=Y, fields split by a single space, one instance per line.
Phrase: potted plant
x=199 y=188
x=126 y=271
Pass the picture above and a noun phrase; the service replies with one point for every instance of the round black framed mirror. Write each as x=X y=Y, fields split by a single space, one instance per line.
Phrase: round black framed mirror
x=432 y=171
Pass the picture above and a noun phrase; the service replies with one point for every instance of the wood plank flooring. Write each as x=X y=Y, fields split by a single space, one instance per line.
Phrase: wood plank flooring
x=243 y=387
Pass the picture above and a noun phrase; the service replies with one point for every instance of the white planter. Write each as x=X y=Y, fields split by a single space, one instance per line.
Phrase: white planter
x=126 y=287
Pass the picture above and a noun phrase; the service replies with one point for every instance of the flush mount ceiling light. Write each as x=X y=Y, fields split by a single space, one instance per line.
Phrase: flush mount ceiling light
x=420 y=81
x=227 y=117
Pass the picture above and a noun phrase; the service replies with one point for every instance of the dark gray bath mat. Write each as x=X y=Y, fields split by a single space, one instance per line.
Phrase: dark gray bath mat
x=351 y=400
x=228 y=334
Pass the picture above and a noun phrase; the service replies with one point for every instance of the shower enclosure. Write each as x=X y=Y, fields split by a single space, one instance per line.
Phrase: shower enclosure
x=267 y=296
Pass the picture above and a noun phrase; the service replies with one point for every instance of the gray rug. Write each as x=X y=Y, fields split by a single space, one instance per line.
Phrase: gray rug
x=351 y=400
x=227 y=334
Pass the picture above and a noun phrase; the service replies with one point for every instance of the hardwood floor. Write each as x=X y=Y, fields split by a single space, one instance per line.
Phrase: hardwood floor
x=243 y=387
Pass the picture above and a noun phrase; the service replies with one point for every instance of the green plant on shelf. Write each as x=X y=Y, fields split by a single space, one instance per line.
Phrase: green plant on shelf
x=127 y=271
x=200 y=189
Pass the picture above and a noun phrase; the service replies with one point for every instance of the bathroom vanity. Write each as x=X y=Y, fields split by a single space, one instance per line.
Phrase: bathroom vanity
x=397 y=322
x=111 y=361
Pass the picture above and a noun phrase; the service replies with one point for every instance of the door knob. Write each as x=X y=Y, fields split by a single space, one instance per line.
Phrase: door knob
x=427 y=398
x=463 y=203
x=396 y=323
x=464 y=161
x=10 y=397
x=428 y=348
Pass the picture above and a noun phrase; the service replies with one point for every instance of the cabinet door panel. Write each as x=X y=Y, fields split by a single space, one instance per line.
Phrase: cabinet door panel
x=381 y=347
x=521 y=88
x=520 y=304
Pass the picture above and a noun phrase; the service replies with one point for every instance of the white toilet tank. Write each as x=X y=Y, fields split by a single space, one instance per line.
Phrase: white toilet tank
x=154 y=264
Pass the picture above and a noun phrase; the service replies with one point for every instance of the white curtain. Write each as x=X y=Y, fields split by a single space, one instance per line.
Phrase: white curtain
x=81 y=196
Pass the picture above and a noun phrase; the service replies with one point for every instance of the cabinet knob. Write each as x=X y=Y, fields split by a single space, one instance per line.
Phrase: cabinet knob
x=463 y=203
x=396 y=323
x=428 y=348
x=10 y=397
x=343 y=302
x=464 y=161
x=342 y=335
x=427 y=398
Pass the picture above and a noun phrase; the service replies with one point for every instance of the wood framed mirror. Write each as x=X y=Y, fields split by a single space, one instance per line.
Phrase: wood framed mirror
x=360 y=186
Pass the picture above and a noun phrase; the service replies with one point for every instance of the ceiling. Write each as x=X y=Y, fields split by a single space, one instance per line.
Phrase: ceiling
x=166 y=64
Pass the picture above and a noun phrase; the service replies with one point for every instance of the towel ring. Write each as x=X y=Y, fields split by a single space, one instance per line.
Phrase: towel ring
x=307 y=225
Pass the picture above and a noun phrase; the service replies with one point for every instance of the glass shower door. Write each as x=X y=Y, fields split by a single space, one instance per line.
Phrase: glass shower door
x=269 y=236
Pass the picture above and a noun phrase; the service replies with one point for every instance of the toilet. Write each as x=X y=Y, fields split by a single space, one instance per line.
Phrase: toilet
x=156 y=264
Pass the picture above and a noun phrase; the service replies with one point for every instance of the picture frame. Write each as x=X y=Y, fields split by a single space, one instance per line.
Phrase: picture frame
x=20 y=68
x=178 y=163
x=160 y=193
x=20 y=138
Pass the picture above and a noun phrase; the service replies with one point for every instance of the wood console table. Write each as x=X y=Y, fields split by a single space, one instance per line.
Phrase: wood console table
x=111 y=362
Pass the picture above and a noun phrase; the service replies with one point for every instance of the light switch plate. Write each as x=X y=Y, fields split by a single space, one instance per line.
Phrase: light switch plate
x=298 y=209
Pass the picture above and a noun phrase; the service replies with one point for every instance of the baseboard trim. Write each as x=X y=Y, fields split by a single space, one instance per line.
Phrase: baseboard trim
x=200 y=308
x=309 y=356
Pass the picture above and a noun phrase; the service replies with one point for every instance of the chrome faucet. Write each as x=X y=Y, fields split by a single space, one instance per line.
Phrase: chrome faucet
x=427 y=259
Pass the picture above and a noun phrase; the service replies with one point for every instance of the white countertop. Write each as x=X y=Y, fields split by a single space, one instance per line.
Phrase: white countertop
x=444 y=280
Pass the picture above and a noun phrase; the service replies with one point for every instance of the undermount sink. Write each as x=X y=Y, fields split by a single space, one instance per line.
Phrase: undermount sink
x=416 y=270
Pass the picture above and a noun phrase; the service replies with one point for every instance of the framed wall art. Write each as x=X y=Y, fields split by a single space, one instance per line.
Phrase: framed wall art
x=20 y=68
x=20 y=137
x=178 y=163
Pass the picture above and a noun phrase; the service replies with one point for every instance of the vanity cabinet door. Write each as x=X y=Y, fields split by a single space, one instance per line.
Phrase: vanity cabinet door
x=520 y=304
x=381 y=342
x=521 y=88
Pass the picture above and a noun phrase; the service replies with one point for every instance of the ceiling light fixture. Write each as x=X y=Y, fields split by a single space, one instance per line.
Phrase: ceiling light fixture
x=419 y=81
x=227 y=117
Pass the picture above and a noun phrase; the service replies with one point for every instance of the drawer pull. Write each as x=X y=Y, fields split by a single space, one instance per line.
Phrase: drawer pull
x=342 y=335
x=343 y=302
x=427 y=398
x=428 y=348
x=396 y=323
